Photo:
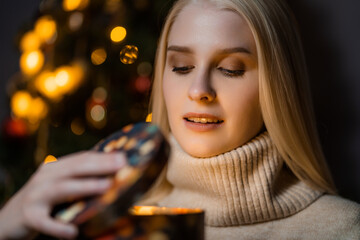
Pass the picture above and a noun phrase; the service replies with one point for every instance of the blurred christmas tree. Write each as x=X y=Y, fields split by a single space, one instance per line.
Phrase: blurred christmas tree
x=85 y=70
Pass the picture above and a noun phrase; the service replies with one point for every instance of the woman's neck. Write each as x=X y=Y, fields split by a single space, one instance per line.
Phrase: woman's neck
x=246 y=185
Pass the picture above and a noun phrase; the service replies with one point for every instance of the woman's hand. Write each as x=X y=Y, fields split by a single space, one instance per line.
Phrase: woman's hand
x=74 y=176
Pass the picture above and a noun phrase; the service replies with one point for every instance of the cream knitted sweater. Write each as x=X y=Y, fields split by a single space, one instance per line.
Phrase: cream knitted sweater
x=248 y=193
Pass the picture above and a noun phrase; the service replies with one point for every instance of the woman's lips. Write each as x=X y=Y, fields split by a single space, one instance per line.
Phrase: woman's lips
x=202 y=122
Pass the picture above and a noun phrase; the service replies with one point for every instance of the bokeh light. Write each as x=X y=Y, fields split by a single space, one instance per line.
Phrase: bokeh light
x=63 y=81
x=49 y=159
x=69 y=78
x=99 y=95
x=46 y=85
x=37 y=111
x=62 y=77
x=149 y=117
x=98 y=56
x=30 y=41
x=129 y=54
x=71 y=5
x=97 y=113
x=31 y=62
x=118 y=34
x=20 y=103
x=23 y=105
x=45 y=28
x=76 y=19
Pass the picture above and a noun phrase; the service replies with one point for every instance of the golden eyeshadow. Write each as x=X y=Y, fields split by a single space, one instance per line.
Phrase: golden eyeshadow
x=179 y=59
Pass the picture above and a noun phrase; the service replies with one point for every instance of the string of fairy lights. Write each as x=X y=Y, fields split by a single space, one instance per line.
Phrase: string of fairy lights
x=66 y=47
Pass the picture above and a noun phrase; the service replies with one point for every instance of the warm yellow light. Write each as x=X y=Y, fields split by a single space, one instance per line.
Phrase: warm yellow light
x=78 y=71
x=29 y=42
x=64 y=80
x=62 y=77
x=97 y=113
x=149 y=117
x=20 y=103
x=129 y=54
x=71 y=5
x=98 y=56
x=45 y=83
x=49 y=159
x=45 y=28
x=68 y=78
x=118 y=34
x=50 y=84
x=154 y=210
x=31 y=62
x=24 y=106
x=37 y=111
x=32 y=59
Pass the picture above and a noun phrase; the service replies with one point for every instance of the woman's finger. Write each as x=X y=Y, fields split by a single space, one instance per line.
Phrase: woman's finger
x=49 y=226
x=86 y=164
x=76 y=188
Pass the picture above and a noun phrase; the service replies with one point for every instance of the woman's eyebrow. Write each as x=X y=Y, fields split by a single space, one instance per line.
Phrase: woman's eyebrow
x=221 y=51
x=179 y=49
x=235 y=50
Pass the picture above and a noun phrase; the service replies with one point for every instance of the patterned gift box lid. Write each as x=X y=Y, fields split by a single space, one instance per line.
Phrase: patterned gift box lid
x=147 y=152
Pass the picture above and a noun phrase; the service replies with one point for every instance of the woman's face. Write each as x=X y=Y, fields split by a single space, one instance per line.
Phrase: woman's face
x=210 y=82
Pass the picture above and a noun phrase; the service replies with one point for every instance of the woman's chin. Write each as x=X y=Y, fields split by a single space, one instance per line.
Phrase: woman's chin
x=206 y=151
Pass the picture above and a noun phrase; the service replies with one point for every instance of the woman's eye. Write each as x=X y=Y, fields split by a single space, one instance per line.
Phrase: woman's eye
x=231 y=73
x=182 y=70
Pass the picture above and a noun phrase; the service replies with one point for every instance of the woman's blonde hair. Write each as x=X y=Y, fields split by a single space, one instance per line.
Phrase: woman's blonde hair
x=283 y=87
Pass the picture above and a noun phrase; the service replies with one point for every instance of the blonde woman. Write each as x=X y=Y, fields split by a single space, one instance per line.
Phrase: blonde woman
x=230 y=92
x=239 y=67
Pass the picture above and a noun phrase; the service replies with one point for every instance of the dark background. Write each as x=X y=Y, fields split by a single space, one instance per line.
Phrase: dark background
x=331 y=36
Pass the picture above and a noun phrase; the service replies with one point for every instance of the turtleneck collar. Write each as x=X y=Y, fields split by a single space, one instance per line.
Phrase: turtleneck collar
x=247 y=185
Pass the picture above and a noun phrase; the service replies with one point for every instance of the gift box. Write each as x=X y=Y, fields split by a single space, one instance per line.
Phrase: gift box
x=113 y=215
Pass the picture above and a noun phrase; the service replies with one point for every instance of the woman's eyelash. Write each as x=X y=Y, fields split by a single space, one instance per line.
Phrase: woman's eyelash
x=231 y=73
x=227 y=72
x=182 y=70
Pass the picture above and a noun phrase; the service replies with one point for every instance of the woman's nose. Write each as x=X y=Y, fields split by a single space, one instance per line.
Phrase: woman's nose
x=201 y=90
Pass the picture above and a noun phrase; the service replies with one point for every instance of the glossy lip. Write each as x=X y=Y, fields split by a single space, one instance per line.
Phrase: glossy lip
x=202 y=127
